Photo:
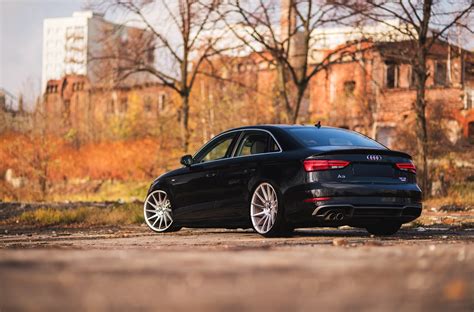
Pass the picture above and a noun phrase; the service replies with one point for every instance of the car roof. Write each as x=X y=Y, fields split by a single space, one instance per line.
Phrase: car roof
x=277 y=126
x=280 y=132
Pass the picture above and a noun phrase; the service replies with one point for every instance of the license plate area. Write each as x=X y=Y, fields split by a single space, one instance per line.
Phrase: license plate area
x=373 y=170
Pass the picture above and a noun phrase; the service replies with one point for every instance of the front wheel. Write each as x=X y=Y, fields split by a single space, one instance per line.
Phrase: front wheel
x=266 y=211
x=384 y=228
x=157 y=212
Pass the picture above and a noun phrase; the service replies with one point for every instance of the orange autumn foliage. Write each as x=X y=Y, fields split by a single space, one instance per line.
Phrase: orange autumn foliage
x=137 y=159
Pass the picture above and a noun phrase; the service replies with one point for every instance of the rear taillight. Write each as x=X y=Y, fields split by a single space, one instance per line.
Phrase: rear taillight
x=316 y=199
x=320 y=164
x=406 y=166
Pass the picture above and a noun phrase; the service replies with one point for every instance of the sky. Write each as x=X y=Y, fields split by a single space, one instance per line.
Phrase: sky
x=21 y=32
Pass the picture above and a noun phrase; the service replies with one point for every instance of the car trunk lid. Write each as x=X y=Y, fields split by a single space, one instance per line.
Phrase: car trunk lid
x=360 y=165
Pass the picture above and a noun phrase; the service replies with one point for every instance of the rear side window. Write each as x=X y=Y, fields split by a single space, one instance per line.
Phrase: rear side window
x=253 y=143
x=312 y=137
x=273 y=146
x=256 y=142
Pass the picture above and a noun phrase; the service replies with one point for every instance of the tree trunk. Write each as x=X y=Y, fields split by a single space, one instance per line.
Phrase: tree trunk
x=284 y=92
x=420 y=103
x=299 y=99
x=185 y=132
x=421 y=130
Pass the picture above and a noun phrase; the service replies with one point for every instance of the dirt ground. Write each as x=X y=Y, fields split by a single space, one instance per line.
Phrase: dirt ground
x=232 y=270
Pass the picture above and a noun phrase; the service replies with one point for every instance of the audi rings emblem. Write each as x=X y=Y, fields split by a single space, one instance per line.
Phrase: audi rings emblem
x=374 y=157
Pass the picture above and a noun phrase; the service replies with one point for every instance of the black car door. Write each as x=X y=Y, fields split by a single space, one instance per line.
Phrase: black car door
x=194 y=191
x=233 y=180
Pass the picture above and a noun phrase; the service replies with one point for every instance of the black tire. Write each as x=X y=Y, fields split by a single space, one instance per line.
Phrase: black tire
x=384 y=228
x=279 y=228
x=172 y=228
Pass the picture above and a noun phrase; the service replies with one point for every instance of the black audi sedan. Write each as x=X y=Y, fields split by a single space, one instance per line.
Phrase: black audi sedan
x=275 y=178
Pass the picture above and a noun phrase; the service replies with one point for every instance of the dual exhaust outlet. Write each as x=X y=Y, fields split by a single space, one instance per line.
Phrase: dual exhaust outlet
x=335 y=216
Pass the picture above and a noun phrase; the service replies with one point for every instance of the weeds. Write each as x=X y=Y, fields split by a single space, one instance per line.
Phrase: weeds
x=130 y=213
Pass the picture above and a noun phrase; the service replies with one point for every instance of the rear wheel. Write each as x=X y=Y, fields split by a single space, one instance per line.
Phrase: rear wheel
x=266 y=212
x=157 y=212
x=384 y=228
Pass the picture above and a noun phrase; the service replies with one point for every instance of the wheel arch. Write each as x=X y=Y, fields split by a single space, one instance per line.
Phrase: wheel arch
x=161 y=184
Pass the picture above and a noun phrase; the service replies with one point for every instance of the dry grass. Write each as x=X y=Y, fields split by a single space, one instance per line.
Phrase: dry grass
x=108 y=191
x=131 y=213
x=461 y=194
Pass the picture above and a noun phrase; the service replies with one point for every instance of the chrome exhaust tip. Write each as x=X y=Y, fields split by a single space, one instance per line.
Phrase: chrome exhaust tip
x=331 y=216
x=339 y=216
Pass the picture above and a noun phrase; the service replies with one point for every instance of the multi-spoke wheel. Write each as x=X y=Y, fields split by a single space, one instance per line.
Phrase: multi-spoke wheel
x=264 y=210
x=157 y=211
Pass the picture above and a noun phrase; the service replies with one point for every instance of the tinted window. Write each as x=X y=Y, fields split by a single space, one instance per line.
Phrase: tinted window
x=312 y=137
x=216 y=149
x=273 y=146
x=252 y=143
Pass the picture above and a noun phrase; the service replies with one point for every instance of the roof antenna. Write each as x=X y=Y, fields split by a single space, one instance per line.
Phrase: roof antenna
x=318 y=125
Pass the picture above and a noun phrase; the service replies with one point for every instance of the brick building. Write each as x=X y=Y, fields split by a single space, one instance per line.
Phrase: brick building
x=373 y=90
x=369 y=89
x=90 y=110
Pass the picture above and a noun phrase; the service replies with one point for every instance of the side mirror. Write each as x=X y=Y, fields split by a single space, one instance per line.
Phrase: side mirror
x=187 y=160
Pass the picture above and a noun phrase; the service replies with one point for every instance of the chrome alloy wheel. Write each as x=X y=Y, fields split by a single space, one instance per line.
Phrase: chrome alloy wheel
x=157 y=211
x=264 y=208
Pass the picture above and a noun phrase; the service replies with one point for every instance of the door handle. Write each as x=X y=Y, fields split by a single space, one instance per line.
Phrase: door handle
x=210 y=175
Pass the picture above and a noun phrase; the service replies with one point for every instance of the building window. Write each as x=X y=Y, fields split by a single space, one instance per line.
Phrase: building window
x=78 y=86
x=111 y=107
x=162 y=102
x=391 y=76
x=123 y=105
x=349 y=87
x=147 y=105
x=385 y=136
x=469 y=99
x=412 y=77
x=52 y=89
x=440 y=74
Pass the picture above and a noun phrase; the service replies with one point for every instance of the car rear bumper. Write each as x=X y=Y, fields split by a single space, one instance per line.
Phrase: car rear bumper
x=349 y=212
x=356 y=206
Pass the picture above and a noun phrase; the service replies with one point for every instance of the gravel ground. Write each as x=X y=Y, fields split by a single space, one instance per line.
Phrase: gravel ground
x=131 y=268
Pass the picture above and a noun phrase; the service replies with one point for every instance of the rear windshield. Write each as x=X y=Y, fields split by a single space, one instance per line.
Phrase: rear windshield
x=312 y=137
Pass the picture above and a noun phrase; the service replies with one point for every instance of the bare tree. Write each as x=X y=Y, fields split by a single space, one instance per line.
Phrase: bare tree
x=180 y=33
x=424 y=23
x=282 y=32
